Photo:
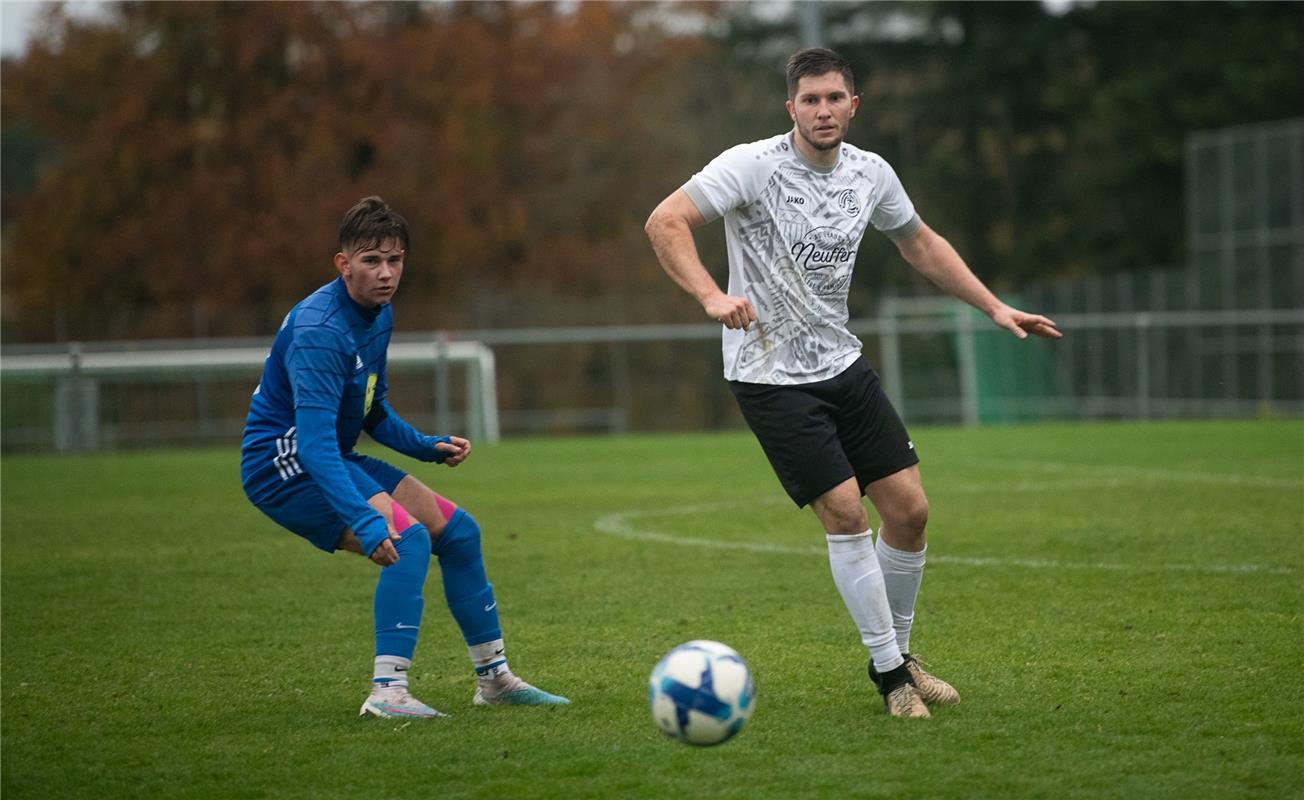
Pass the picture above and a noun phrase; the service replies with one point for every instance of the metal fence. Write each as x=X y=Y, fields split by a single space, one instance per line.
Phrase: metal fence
x=82 y=398
x=940 y=362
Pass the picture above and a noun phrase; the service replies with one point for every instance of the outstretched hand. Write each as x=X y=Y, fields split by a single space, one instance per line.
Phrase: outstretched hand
x=455 y=450
x=1021 y=323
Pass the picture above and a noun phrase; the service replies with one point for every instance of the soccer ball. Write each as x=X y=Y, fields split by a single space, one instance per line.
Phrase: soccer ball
x=701 y=693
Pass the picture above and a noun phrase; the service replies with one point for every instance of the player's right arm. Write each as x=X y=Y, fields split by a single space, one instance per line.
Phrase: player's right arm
x=317 y=362
x=670 y=229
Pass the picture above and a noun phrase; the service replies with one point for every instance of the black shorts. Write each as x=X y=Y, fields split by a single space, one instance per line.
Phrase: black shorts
x=817 y=435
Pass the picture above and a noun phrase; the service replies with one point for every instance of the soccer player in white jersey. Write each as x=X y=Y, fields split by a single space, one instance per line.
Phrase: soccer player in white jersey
x=795 y=207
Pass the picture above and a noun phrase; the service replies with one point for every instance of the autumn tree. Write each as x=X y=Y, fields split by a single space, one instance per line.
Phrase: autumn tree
x=178 y=169
x=199 y=155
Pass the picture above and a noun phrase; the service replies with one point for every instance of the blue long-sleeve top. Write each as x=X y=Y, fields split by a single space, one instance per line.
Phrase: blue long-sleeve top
x=323 y=384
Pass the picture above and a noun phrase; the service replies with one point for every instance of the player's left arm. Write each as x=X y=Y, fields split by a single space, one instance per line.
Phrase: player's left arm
x=385 y=425
x=934 y=257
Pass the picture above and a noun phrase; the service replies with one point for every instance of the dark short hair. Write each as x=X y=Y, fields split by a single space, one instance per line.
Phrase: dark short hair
x=817 y=61
x=370 y=223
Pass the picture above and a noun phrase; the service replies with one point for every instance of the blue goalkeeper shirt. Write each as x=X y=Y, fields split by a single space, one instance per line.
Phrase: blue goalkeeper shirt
x=323 y=384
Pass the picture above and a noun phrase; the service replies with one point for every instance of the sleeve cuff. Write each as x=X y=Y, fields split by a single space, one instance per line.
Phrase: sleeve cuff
x=371 y=531
x=698 y=197
x=904 y=231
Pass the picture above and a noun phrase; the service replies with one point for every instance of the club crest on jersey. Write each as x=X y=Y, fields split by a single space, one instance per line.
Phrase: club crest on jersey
x=371 y=394
x=848 y=202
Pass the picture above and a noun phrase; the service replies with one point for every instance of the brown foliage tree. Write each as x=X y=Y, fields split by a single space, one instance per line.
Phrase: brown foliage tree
x=203 y=154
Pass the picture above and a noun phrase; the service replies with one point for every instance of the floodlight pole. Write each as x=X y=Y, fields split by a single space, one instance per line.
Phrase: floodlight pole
x=810 y=17
x=442 y=399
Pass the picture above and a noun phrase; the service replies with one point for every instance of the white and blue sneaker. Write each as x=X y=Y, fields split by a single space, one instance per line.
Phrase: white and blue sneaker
x=395 y=702
x=505 y=689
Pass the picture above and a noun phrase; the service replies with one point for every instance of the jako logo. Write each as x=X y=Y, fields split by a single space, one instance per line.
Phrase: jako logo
x=797 y=201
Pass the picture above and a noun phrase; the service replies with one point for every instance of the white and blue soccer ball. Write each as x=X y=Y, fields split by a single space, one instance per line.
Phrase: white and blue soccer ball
x=701 y=693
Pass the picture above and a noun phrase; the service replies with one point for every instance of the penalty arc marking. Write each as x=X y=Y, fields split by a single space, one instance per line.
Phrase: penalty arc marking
x=625 y=525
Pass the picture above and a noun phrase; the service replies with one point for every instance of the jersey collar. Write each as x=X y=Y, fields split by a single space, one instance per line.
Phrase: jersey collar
x=363 y=314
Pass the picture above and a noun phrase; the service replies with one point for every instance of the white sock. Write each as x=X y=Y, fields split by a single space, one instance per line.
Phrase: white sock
x=860 y=582
x=902 y=573
x=488 y=659
x=391 y=671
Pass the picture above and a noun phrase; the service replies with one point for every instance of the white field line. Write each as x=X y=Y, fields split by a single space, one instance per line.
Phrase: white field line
x=1035 y=485
x=1122 y=476
x=625 y=524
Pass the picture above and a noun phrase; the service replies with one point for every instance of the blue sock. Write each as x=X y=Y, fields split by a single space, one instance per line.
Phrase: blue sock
x=466 y=587
x=399 y=603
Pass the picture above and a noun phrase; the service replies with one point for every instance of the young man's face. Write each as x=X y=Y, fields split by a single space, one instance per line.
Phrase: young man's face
x=372 y=274
x=823 y=108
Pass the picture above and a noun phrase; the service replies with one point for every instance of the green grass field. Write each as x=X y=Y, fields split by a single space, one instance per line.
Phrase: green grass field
x=1118 y=604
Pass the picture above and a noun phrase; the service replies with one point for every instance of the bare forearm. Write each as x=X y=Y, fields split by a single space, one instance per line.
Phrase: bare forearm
x=938 y=261
x=670 y=228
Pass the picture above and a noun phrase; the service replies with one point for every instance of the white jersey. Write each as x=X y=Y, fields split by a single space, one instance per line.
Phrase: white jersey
x=793 y=230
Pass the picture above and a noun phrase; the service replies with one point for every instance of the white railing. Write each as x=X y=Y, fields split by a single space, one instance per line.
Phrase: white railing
x=77 y=370
x=935 y=356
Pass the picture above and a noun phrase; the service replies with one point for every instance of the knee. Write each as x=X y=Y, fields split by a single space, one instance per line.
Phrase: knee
x=841 y=509
x=910 y=519
x=414 y=539
x=460 y=537
x=844 y=518
x=850 y=520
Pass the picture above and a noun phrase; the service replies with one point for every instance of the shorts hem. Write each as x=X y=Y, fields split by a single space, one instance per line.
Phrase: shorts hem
x=334 y=546
x=806 y=499
x=885 y=474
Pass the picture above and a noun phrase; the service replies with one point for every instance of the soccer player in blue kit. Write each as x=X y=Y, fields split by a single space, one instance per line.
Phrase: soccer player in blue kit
x=322 y=386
